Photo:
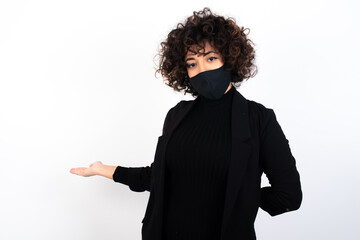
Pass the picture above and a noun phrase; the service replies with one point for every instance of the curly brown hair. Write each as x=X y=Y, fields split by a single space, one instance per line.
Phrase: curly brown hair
x=223 y=34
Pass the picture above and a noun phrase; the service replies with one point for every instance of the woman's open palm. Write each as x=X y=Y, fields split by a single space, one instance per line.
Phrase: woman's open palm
x=92 y=170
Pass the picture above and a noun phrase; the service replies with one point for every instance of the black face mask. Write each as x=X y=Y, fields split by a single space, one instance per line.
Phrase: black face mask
x=212 y=84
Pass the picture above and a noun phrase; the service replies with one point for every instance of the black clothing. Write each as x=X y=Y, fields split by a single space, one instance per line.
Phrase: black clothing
x=258 y=145
x=197 y=159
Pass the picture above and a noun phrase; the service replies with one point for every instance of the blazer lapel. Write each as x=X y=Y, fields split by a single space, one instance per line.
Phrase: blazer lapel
x=240 y=154
x=160 y=179
x=240 y=151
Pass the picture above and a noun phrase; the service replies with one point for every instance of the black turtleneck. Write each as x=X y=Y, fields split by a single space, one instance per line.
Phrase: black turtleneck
x=197 y=159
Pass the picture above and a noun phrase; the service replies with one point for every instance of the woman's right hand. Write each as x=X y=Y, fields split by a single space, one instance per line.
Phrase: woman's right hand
x=94 y=169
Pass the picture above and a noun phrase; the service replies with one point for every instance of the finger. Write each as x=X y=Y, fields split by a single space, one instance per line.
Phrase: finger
x=78 y=171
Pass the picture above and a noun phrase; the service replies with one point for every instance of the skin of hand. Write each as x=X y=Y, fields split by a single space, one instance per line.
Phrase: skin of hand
x=96 y=168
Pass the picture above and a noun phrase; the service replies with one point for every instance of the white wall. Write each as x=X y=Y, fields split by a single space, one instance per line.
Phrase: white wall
x=77 y=85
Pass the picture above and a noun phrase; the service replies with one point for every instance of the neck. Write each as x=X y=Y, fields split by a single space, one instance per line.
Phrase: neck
x=230 y=86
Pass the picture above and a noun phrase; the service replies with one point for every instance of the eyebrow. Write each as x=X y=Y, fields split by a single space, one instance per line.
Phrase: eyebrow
x=203 y=53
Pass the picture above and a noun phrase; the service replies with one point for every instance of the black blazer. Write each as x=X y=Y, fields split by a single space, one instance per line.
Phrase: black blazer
x=258 y=145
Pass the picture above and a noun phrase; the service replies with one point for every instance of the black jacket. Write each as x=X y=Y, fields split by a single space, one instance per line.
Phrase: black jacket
x=258 y=145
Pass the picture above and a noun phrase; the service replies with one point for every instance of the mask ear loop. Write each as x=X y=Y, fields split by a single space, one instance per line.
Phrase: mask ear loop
x=187 y=79
x=191 y=86
x=227 y=66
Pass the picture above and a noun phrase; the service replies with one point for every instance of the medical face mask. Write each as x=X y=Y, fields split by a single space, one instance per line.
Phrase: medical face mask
x=212 y=84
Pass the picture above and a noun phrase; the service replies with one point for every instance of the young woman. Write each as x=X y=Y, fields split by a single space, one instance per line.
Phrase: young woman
x=205 y=179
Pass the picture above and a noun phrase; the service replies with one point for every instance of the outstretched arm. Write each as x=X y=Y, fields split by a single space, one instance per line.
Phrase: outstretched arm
x=96 y=168
x=137 y=178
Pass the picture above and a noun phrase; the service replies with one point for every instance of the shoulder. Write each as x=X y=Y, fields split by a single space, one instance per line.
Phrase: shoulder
x=184 y=102
x=180 y=105
x=260 y=115
x=258 y=108
x=177 y=107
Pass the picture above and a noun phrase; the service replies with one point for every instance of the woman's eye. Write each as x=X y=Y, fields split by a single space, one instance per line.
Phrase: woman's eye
x=189 y=65
x=192 y=64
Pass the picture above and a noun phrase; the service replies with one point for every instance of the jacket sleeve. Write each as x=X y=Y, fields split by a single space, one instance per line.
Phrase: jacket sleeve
x=279 y=165
x=137 y=178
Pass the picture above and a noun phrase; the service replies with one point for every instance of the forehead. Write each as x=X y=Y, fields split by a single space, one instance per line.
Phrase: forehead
x=200 y=48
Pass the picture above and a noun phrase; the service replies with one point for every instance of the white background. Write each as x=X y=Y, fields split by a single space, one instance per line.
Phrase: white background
x=77 y=85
